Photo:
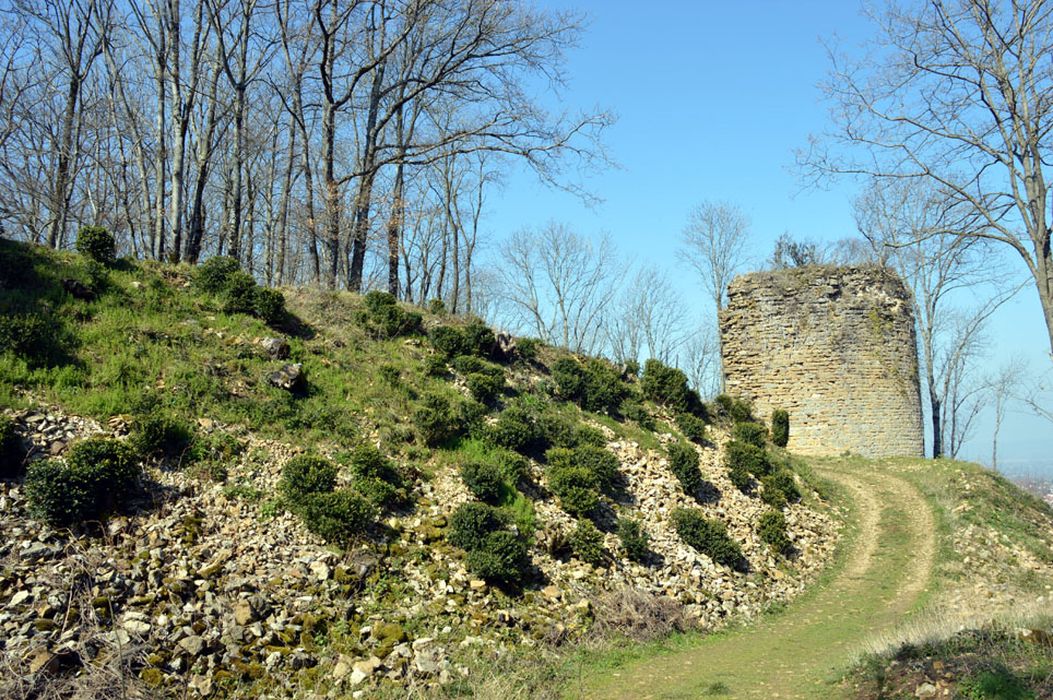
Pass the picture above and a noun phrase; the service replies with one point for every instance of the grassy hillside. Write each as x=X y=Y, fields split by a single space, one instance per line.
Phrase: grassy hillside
x=424 y=501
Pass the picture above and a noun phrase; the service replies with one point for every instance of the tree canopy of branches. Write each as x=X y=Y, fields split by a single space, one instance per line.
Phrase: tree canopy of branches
x=308 y=139
x=957 y=93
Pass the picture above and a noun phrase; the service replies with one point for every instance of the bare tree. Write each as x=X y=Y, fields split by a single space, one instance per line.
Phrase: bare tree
x=699 y=357
x=1003 y=386
x=955 y=92
x=905 y=223
x=559 y=285
x=650 y=319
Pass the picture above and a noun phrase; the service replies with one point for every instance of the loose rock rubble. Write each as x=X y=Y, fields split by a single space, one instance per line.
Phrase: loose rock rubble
x=211 y=584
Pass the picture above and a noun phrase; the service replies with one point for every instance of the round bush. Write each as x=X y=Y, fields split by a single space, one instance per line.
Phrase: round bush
x=484 y=480
x=709 y=537
x=738 y=410
x=750 y=433
x=516 y=428
x=376 y=301
x=160 y=435
x=693 y=427
x=215 y=274
x=683 y=462
x=435 y=420
x=97 y=243
x=741 y=479
x=636 y=412
x=377 y=478
x=780 y=427
x=484 y=388
x=744 y=456
x=501 y=557
x=668 y=386
x=472 y=522
x=772 y=530
x=780 y=488
x=594 y=385
x=600 y=462
x=448 y=340
x=586 y=542
x=268 y=305
x=31 y=336
x=239 y=296
x=513 y=466
x=528 y=348
x=634 y=539
x=99 y=476
x=337 y=516
x=304 y=475
x=575 y=487
x=479 y=339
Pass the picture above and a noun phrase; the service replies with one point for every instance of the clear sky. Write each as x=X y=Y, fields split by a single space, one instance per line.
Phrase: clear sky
x=712 y=99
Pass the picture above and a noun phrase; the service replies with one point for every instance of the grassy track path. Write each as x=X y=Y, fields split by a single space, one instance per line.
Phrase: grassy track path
x=888 y=565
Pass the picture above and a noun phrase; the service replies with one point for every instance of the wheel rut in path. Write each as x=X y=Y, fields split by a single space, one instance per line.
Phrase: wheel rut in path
x=795 y=654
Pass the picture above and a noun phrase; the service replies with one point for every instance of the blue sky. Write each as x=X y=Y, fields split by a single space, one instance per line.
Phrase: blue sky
x=712 y=100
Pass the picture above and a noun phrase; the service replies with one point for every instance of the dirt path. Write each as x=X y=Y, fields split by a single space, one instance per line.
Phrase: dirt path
x=797 y=653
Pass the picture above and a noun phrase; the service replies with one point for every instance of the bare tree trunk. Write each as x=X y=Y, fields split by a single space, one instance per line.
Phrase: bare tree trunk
x=60 y=191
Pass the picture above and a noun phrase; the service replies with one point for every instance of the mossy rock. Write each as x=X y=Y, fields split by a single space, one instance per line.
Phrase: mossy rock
x=152 y=677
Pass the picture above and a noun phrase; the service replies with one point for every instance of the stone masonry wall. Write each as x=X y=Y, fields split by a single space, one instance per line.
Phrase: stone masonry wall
x=833 y=346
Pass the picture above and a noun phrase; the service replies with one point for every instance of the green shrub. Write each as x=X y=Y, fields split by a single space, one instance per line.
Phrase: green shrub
x=268 y=305
x=594 y=384
x=586 y=542
x=98 y=478
x=337 y=516
x=384 y=318
x=514 y=466
x=668 y=386
x=742 y=455
x=501 y=557
x=484 y=480
x=11 y=453
x=780 y=427
x=472 y=522
x=435 y=420
x=634 y=411
x=239 y=295
x=437 y=307
x=474 y=338
x=96 y=243
x=528 y=348
x=575 y=487
x=214 y=276
x=772 y=530
x=376 y=301
x=737 y=410
x=435 y=366
x=304 y=475
x=485 y=388
x=683 y=462
x=634 y=539
x=159 y=435
x=376 y=477
x=448 y=340
x=693 y=427
x=599 y=461
x=709 y=537
x=741 y=479
x=389 y=374
x=779 y=488
x=750 y=433
x=517 y=429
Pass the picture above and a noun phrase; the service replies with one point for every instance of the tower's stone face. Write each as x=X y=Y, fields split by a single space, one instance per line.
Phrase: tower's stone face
x=833 y=346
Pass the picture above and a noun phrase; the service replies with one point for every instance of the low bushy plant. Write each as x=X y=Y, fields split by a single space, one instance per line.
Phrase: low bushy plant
x=668 y=386
x=501 y=557
x=485 y=481
x=741 y=479
x=593 y=384
x=772 y=530
x=750 y=433
x=338 y=516
x=779 y=488
x=376 y=477
x=586 y=543
x=636 y=412
x=693 y=427
x=514 y=466
x=33 y=336
x=735 y=409
x=436 y=420
x=528 y=348
x=747 y=457
x=474 y=338
x=384 y=318
x=683 y=462
x=472 y=522
x=160 y=435
x=11 y=453
x=98 y=244
x=634 y=539
x=268 y=305
x=709 y=537
x=448 y=340
x=214 y=276
x=485 y=388
x=576 y=488
x=97 y=479
x=517 y=429
x=599 y=461
x=780 y=427
x=304 y=475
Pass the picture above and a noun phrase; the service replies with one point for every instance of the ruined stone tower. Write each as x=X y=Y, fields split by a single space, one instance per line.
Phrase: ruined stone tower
x=833 y=346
